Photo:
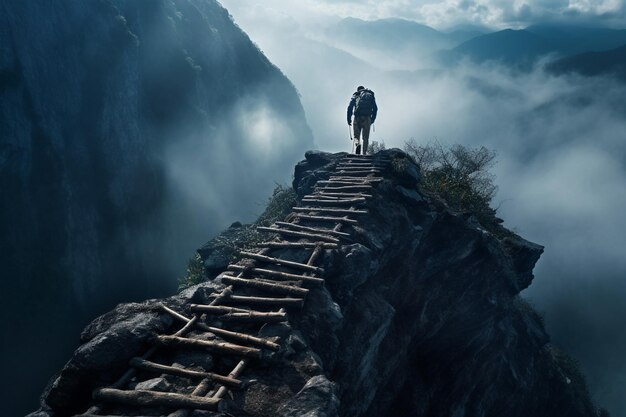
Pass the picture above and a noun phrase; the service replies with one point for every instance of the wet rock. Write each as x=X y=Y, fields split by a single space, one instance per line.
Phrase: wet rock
x=318 y=398
x=154 y=384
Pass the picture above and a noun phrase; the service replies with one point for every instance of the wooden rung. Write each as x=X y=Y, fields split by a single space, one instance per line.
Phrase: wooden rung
x=284 y=276
x=327 y=219
x=215 y=309
x=361 y=165
x=144 y=398
x=298 y=234
x=340 y=202
x=265 y=301
x=265 y=286
x=362 y=179
x=244 y=338
x=330 y=210
x=255 y=316
x=313 y=229
x=359 y=173
x=219 y=347
x=278 y=261
x=343 y=182
x=277 y=245
x=186 y=373
x=321 y=193
x=345 y=188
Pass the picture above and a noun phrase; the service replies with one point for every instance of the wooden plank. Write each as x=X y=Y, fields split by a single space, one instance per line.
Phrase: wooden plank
x=265 y=301
x=186 y=373
x=344 y=188
x=255 y=316
x=313 y=230
x=203 y=308
x=362 y=179
x=224 y=348
x=342 y=202
x=330 y=210
x=294 y=233
x=322 y=193
x=244 y=338
x=304 y=245
x=265 y=286
x=326 y=219
x=283 y=276
x=278 y=261
x=144 y=398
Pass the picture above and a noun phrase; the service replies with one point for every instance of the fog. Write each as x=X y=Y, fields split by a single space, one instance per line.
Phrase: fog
x=561 y=166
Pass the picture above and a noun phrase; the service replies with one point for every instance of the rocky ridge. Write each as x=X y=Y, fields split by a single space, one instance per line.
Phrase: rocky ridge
x=420 y=314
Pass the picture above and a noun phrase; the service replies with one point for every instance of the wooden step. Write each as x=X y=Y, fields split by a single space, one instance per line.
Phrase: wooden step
x=266 y=301
x=283 y=276
x=255 y=316
x=313 y=229
x=282 y=262
x=327 y=219
x=224 y=348
x=304 y=245
x=265 y=286
x=244 y=338
x=140 y=363
x=340 y=202
x=294 y=233
x=144 y=398
x=329 y=210
x=338 y=195
x=344 y=188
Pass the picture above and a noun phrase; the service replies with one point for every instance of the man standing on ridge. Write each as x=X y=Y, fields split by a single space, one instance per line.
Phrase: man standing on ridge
x=364 y=106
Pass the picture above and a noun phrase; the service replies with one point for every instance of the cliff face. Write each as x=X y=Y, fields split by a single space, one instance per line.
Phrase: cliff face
x=419 y=315
x=114 y=115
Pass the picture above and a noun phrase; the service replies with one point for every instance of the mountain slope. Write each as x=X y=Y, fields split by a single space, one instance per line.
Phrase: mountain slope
x=612 y=62
x=122 y=119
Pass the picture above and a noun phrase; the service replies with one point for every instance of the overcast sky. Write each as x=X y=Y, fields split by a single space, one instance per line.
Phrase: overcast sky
x=449 y=13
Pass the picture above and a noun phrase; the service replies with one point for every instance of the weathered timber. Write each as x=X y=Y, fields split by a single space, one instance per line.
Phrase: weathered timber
x=144 y=398
x=265 y=286
x=362 y=179
x=201 y=390
x=255 y=316
x=325 y=245
x=344 y=188
x=313 y=229
x=342 y=195
x=219 y=347
x=244 y=338
x=297 y=234
x=284 y=276
x=216 y=309
x=330 y=210
x=326 y=219
x=237 y=370
x=187 y=373
x=359 y=173
x=342 y=202
x=265 y=301
x=278 y=261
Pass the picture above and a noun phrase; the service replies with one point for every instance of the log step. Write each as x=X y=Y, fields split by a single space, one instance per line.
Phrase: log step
x=224 y=348
x=214 y=309
x=313 y=229
x=144 y=398
x=265 y=286
x=327 y=219
x=140 y=363
x=255 y=316
x=321 y=193
x=330 y=210
x=294 y=233
x=266 y=301
x=304 y=245
x=244 y=338
x=347 y=202
x=278 y=261
x=283 y=276
x=345 y=188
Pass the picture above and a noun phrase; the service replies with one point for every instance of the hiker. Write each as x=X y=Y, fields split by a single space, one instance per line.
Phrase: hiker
x=364 y=106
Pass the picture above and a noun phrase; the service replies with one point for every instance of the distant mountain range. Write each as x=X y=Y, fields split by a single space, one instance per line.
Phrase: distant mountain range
x=405 y=44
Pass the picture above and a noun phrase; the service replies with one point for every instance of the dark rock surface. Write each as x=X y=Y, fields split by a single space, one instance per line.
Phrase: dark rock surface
x=119 y=120
x=420 y=316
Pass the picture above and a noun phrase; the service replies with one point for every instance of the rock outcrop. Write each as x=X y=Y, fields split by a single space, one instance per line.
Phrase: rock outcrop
x=420 y=315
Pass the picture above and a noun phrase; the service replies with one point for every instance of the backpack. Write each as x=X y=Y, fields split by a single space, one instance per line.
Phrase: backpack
x=364 y=103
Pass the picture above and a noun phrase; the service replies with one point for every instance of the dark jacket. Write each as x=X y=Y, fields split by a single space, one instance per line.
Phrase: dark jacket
x=352 y=105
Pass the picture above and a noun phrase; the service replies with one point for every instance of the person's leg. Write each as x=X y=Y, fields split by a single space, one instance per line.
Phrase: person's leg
x=358 y=126
x=365 y=125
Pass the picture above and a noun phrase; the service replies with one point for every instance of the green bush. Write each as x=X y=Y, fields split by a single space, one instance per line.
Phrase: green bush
x=461 y=177
x=194 y=274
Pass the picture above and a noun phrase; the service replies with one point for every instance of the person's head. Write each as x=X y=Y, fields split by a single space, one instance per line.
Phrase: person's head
x=359 y=88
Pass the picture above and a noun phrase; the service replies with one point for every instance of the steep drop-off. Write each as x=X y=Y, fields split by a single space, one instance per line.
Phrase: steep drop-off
x=119 y=120
x=419 y=314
